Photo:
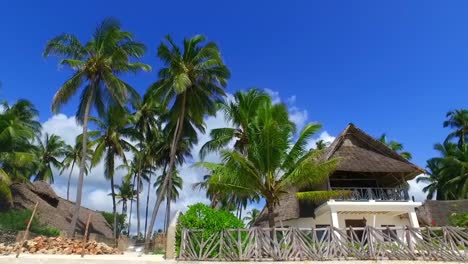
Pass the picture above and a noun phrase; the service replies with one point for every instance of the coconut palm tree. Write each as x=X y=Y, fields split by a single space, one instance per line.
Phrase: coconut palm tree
x=170 y=195
x=252 y=217
x=239 y=112
x=273 y=162
x=17 y=159
x=395 y=146
x=49 y=152
x=458 y=120
x=111 y=139
x=72 y=157
x=321 y=144
x=192 y=80
x=124 y=193
x=96 y=67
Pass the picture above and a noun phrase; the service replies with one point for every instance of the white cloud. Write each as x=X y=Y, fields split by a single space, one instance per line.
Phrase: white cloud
x=327 y=138
x=416 y=190
x=65 y=127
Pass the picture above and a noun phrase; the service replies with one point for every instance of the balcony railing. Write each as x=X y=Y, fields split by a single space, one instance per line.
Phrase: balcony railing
x=378 y=194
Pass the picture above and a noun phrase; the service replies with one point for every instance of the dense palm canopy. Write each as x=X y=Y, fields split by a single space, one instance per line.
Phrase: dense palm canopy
x=50 y=150
x=191 y=82
x=274 y=161
x=458 y=121
x=96 y=67
x=395 y=146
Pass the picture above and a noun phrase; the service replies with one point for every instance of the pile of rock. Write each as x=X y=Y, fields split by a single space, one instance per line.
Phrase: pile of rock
x=59 y=246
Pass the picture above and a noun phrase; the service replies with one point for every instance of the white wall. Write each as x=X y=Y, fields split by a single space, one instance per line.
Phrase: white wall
x=325 y=219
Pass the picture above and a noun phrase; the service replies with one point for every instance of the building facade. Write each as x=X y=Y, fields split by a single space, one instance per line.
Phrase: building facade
x=374 y=178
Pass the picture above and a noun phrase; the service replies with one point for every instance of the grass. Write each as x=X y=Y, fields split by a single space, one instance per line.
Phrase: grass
x=18 y=220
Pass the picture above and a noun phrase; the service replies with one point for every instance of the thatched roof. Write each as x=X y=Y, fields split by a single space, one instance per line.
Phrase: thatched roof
x=359 y=152
x=55 y=211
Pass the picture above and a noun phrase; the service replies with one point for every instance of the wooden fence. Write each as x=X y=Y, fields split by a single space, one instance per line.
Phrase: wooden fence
x=290 y=244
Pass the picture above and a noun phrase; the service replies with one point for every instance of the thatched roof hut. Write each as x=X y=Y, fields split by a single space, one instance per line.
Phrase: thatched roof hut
x=364 y=162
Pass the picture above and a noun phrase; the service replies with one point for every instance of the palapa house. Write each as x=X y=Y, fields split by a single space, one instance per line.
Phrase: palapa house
x=376 y=177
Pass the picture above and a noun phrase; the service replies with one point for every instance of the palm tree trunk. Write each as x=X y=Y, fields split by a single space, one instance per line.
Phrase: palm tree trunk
x=69 y=180
x=138 y=204
x=168 y=205
x=271 y=214
x=114 y=208
x=147 y=203
x=131 y=208
x=79 y=187
x=172 y=157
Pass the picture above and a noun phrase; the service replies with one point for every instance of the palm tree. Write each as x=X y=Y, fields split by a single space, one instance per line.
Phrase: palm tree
x=321 y=144
x=171 y=195
x=458 y=120
x=447 y=175
x=124 y=194
x=96 y=66
x=239 y=112
x=17 y=131
x=72 y=157
x=395 y=146
x=111 y=140
x=191 y=82
x=252 y=217
x=49 y=153
x=273 y=162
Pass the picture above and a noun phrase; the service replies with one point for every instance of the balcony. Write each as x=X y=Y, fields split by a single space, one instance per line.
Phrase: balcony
x=377 y=194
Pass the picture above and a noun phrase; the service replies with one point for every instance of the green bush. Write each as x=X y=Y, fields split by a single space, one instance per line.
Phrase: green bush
x=6 y=199
x=202 y=216
x=18 y=220
x=460 y=220
x=121 y=221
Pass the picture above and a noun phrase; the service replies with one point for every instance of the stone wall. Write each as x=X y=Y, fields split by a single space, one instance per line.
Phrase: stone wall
x=8 y=237
x=438 y=212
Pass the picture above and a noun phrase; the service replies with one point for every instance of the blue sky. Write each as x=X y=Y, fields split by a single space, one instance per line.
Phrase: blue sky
x=387 y=66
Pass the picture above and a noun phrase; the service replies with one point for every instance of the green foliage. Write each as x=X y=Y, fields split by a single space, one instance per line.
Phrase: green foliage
x=121 y=221
x=202 y=216
x=460 y=220
x=6 y=198
x=18 y=220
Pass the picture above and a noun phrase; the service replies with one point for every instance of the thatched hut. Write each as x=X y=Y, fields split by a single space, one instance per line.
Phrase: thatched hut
x=376 y=178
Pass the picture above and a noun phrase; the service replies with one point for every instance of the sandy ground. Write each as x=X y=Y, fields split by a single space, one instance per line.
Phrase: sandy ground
x=133 y=258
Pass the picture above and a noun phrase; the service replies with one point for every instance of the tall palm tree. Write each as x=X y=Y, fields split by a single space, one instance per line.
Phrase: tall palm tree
x=273 y=162
x=458 y=120
x=49 y=152
x=239 y=112
x=321 y=144
x=252 y=217
x=96 y=68
x=170 y=195
x=112 y=141
x=72 y=157
x=191 y=82
x=395 y=146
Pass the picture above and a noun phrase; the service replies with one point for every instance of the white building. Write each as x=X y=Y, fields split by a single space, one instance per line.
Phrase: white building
x=376 y=177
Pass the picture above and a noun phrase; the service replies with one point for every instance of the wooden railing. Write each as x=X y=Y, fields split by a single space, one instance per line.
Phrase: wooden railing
x=379 y=194
x=293 y=244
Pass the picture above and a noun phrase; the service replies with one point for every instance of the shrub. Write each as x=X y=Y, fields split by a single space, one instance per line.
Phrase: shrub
x=201 y=216
x=18 y=220
x=121 y=221
x=6 y=199
x=457 y=219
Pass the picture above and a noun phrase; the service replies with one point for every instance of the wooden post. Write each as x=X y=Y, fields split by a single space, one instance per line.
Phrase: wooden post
x=26 y=232
x=85 y=237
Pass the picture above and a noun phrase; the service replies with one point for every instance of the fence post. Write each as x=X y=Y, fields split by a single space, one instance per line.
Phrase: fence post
x=221 y=241
x=182 y=243
x=26 y=232
x=85 y=237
